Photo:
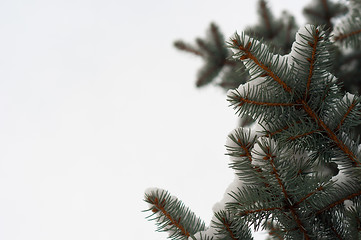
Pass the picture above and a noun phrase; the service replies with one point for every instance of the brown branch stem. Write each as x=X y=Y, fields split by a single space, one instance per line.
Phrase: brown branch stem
x=160 y=207
x=270 y=157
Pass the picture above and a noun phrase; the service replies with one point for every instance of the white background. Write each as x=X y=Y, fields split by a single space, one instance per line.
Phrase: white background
x=96 y=105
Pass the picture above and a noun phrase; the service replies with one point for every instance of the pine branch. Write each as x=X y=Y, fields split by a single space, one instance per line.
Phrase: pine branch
x=321 y=188
x=312 y=60
x=278 y=32
x=277 y=200
x=205 y=47
x=352 y=106
x=240 y=147
x=303 y=135
x=351 y=114
x=207 y=74
x=331 y=134
x=172 y=216
x=348 y=31
x=247 y=54
x=187 y=48
x=242 y=101
x=300 y=176
x=277 y=131
x=311 y=52
x=340 y=201
x=270 y=157
x=320 y=12
x=343 y=36
x=217 y=37
x=266 y=18
x=215 y=54
x=229 y=229
x=327 y=12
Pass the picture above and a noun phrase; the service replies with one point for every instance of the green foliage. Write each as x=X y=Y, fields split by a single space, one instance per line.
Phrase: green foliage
x=277 y=33
x=322 y=12
x=172 y=216
x=301 y=173
x=218 y=66
x=227 y=228
x=346 y=34
x=216 y=57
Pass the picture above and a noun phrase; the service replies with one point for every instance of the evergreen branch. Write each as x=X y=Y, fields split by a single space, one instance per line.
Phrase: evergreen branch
x=303 y=134
x=215 y=55
x=254 y=204
x=269 y=157
x=328 y=89
x=248 y=101
x=347 y=31
x=332 y=205
x=220 y=59
x=288 y=33
x=312 y=60
x=300 y=106
x=343 y=36
x=311 y=55
x=321 y=188
x=266 y=17
x=265 y=202
x=207 y=74
x=352 y=106
x=204 y=46
x=242 y=151
x=330 y=133
x=327 y=12
x=246 y=144
x=269 y=104
x=321 y=12
x=187 y=48
x=161 y=207
x=270 y=134
x=301 y=227
x=246 y=148
x=172 y=216
x=325 y=5
x=216 y=36
x=248 y=55
x=229 y=228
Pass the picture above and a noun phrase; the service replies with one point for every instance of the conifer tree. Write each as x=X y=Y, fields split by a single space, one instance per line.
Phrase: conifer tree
x=279 y=34
x=298 y=166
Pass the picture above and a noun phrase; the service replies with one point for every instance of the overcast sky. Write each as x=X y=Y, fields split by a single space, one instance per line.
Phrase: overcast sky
x=96 y=106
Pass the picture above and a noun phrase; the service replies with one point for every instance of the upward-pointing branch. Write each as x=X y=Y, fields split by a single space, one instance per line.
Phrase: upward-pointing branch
x=247 y=54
